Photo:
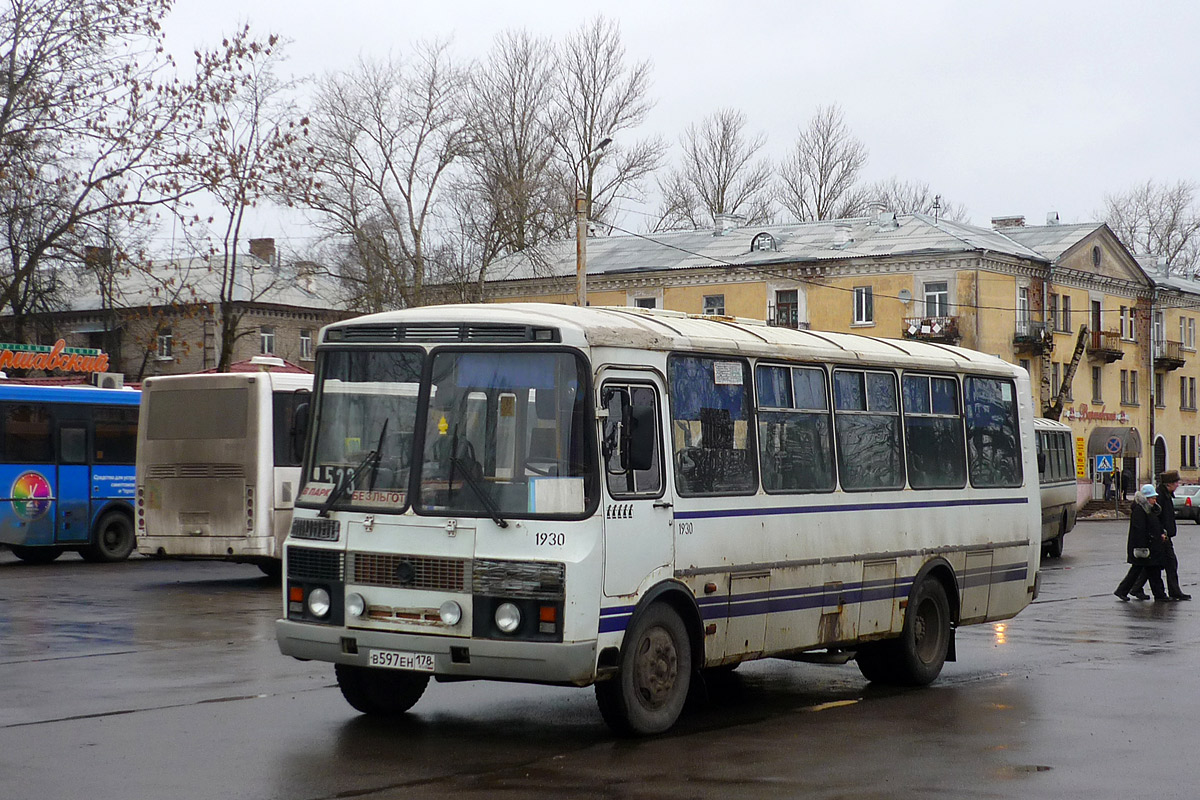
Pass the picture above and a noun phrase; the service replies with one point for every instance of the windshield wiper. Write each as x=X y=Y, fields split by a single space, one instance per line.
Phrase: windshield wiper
x=348 y=477
x=489 y=502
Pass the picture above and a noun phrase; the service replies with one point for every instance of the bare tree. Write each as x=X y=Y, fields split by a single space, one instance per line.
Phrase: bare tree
x=819 y=177
x=914 y=197
x=721 y=173
x=382 y=139
x=94 y=125
x=1159 y=220
x=508 y=196
x=598 y=96
x=249 y=143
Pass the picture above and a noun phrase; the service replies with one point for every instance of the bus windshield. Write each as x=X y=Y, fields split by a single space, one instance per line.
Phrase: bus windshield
x=366 y=419
x=504 y=434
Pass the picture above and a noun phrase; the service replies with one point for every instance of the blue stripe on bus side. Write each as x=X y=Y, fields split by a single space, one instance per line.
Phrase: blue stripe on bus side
x=759 y=512
x=617 y=618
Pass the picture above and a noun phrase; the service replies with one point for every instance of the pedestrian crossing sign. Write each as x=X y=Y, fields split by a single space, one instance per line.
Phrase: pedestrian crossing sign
x=1104 y=463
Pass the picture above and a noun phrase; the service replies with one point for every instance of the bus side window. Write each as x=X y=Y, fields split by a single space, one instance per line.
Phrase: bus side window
x=993 y=435
x=72 y=445
x=27 y=434
x=712 y=433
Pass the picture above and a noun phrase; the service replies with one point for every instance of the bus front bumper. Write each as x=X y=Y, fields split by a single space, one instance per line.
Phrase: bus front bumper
x=572 y=663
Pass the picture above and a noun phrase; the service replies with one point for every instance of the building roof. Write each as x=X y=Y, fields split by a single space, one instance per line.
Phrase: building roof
x=265 y=364
x=806 y=242
x=198 y=280
x=1051 y=240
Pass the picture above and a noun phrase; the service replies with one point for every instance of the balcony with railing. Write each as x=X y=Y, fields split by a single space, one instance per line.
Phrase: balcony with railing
x=1168 y=355
x=1033 y=337
x=932 y=329
x=1106 y=346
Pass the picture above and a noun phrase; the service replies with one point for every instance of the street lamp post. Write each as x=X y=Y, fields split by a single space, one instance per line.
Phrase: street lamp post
x=582 y=210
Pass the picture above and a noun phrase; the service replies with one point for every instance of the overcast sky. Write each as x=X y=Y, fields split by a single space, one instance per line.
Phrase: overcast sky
x=1007 y=108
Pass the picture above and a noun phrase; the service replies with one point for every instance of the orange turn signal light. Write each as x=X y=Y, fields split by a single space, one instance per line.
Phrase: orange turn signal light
x=296 y=594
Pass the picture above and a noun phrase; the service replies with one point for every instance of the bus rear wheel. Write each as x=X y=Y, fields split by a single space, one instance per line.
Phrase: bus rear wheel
x=113 y=539
x=36 y=555
x=917 y=656
x=651 y=685
x=380 y=692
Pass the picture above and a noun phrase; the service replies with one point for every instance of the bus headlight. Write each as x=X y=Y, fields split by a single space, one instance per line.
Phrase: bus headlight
x=318 y=602
x=450 y=612
x=508 y=617
x=356 y=604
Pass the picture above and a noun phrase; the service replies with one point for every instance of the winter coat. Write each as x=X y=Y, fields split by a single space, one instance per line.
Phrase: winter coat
x=1145 y=530
x=1166 y=507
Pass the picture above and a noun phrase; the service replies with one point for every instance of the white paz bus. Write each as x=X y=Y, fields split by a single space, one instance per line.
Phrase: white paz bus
x=622 y=497
x=1059 y=489
x=218 y=464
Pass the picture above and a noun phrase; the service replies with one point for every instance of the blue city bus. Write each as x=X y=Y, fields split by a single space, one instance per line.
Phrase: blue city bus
x=67 y=458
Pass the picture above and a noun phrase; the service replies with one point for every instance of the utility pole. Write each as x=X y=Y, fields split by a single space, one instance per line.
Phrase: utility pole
x=581 y=218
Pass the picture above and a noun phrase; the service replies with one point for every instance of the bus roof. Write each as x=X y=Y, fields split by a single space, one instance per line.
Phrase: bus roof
x=278 y=381
x=89 y=395
x=652 y=329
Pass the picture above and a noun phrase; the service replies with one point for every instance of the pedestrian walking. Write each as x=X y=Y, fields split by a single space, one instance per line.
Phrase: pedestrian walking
x=1145 y=546
x=1126 y=483
x=1168 y=482
x=1108 y=487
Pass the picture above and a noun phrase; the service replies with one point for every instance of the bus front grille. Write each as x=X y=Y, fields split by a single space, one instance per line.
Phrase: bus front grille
x=410 y=572
x=315 y=565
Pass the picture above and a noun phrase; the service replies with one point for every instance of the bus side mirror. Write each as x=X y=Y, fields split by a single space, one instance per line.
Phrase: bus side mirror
x=299 y=430
x=641 y=442
x=1041 y=462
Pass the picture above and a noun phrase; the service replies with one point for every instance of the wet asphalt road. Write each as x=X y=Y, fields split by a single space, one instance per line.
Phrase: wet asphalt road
x=162 y=680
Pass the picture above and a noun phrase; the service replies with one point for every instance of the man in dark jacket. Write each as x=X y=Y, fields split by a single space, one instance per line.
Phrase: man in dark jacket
x=1168 y=482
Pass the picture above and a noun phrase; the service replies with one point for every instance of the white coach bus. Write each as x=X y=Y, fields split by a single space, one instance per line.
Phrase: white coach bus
x=623 y=497
x=218 y=464
x=1059 y=489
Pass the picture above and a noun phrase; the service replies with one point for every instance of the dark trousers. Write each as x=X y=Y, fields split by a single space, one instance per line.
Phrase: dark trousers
x=1171 y=567
x=1139 y=574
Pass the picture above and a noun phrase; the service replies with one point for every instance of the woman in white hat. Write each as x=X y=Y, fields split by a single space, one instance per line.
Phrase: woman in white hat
x=1146 y=545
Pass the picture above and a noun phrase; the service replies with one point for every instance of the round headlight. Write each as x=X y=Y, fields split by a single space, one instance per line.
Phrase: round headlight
x=508 y=617
x=356 y=605
x=318 y=602
x=451 y=612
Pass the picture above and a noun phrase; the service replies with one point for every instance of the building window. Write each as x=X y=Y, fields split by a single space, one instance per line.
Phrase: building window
x=714 y=304
x=1055 y=380
x=306 y=346
x=864 y=305
x=787 y=308
x=1023 y=311
x=1096 y=384
x=1064 y=314
x=937 y=299
x=1187 y=332
x=1134 y=398
x=645 y=302
x=1160 y=399
x=1187 y=451
x=266 y=340
x=1128 y=379
x=1025 y=364
x=166 y=345
x=763 y=241
x=1127 y=324
x=1096 y=256
x=1187 y=393
x=1052 y=314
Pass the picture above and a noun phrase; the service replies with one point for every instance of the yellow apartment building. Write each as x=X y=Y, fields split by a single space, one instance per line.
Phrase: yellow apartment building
x=1016 y=291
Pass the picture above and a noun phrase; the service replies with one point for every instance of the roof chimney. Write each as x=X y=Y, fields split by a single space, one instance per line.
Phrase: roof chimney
x=1052 y=218
x=1015 y=221
x=263 y=249
x=887 y=221
x=723 y=223
x=841 y=234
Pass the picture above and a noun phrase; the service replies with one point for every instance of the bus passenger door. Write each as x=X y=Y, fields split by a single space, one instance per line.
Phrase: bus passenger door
x=72 y=517
x=638 y=507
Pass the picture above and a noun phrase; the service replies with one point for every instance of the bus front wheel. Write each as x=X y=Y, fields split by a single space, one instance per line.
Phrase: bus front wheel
x=648 y=692
x=113 y=540
x=380 y=692
x=36 y=555
x=917 y=656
